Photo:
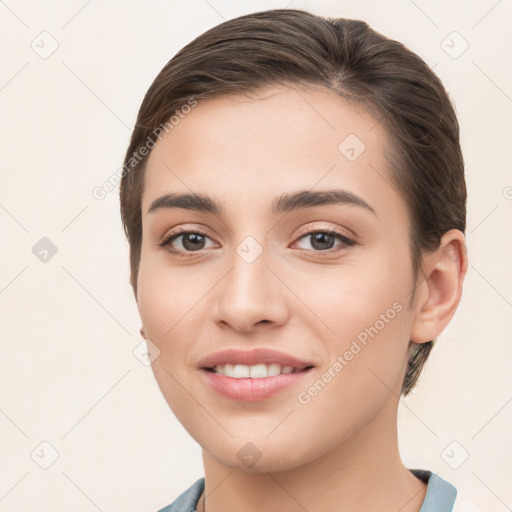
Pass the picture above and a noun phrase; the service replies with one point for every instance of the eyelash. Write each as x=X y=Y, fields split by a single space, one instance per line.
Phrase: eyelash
x=346 y=242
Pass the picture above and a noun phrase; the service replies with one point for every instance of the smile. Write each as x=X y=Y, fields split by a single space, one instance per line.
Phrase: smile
x=244 y=387
x=258 y=371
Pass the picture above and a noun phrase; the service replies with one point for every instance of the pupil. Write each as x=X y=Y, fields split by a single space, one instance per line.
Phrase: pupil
x=323 y=239
x=190 y=241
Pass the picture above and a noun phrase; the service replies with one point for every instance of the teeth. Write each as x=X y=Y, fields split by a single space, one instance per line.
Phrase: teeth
x=258 y=371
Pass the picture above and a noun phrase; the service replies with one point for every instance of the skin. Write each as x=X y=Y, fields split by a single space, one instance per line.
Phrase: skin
x=342 y=446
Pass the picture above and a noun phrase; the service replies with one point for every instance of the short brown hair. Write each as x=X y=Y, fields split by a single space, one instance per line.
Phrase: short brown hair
x=297 y=48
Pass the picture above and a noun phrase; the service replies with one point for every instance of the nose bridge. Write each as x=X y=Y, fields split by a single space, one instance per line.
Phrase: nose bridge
x=248 y=280
x=249 y=292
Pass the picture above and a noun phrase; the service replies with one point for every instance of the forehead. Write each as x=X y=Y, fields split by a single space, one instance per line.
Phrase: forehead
x=278 y=139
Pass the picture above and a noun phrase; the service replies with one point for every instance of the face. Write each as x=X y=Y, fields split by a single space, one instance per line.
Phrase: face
x=325 y=278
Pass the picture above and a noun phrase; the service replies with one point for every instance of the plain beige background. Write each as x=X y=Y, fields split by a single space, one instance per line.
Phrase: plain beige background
x=83 y=425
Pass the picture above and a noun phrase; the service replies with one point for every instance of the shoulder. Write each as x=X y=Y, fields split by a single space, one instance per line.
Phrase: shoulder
x=187 y=500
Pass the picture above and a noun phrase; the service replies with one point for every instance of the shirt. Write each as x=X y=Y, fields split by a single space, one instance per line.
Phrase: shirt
x=440 y=496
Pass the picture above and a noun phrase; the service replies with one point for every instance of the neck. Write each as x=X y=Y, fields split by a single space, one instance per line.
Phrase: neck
x=363 y=473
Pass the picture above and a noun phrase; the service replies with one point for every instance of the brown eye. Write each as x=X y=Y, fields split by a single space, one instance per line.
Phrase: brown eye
x=191 y=241
x=324 y=240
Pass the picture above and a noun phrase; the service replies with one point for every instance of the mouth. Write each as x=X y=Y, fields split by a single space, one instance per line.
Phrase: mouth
x=253 y=375
x=257 y=371
x=243 y=383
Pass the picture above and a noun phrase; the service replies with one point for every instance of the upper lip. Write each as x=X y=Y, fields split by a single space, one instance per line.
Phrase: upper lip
x=253 y=357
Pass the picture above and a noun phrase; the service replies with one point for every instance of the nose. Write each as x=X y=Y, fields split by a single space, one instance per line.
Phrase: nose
x=250 y=296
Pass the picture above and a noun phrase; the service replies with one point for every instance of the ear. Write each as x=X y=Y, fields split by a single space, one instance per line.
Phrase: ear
x=438 y=295
x=142 y=332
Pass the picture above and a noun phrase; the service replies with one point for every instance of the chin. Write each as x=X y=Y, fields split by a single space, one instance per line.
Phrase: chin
x=258 y=455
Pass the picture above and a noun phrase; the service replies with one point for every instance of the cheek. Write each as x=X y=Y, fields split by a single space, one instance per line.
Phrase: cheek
x=174 y=305
x=354 y=296
x=363 y=369
x=364 y=328
x=166 y=298
x=169 y=310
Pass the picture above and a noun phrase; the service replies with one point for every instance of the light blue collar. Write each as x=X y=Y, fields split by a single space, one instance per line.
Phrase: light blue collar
x=440 y=495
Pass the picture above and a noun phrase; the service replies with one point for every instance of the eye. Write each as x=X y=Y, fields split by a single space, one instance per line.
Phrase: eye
x=191 y=241
x=323 y=240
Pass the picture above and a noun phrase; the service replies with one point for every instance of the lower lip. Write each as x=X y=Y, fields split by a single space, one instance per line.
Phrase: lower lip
x=251 y=390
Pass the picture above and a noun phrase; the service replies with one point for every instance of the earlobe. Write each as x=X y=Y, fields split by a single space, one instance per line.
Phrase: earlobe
x=441 y=290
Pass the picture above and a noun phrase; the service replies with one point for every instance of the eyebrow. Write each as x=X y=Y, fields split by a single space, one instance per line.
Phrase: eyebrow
x=281 y=204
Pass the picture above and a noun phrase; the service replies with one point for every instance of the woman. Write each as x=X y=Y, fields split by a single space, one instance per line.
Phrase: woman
x=295 y=203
